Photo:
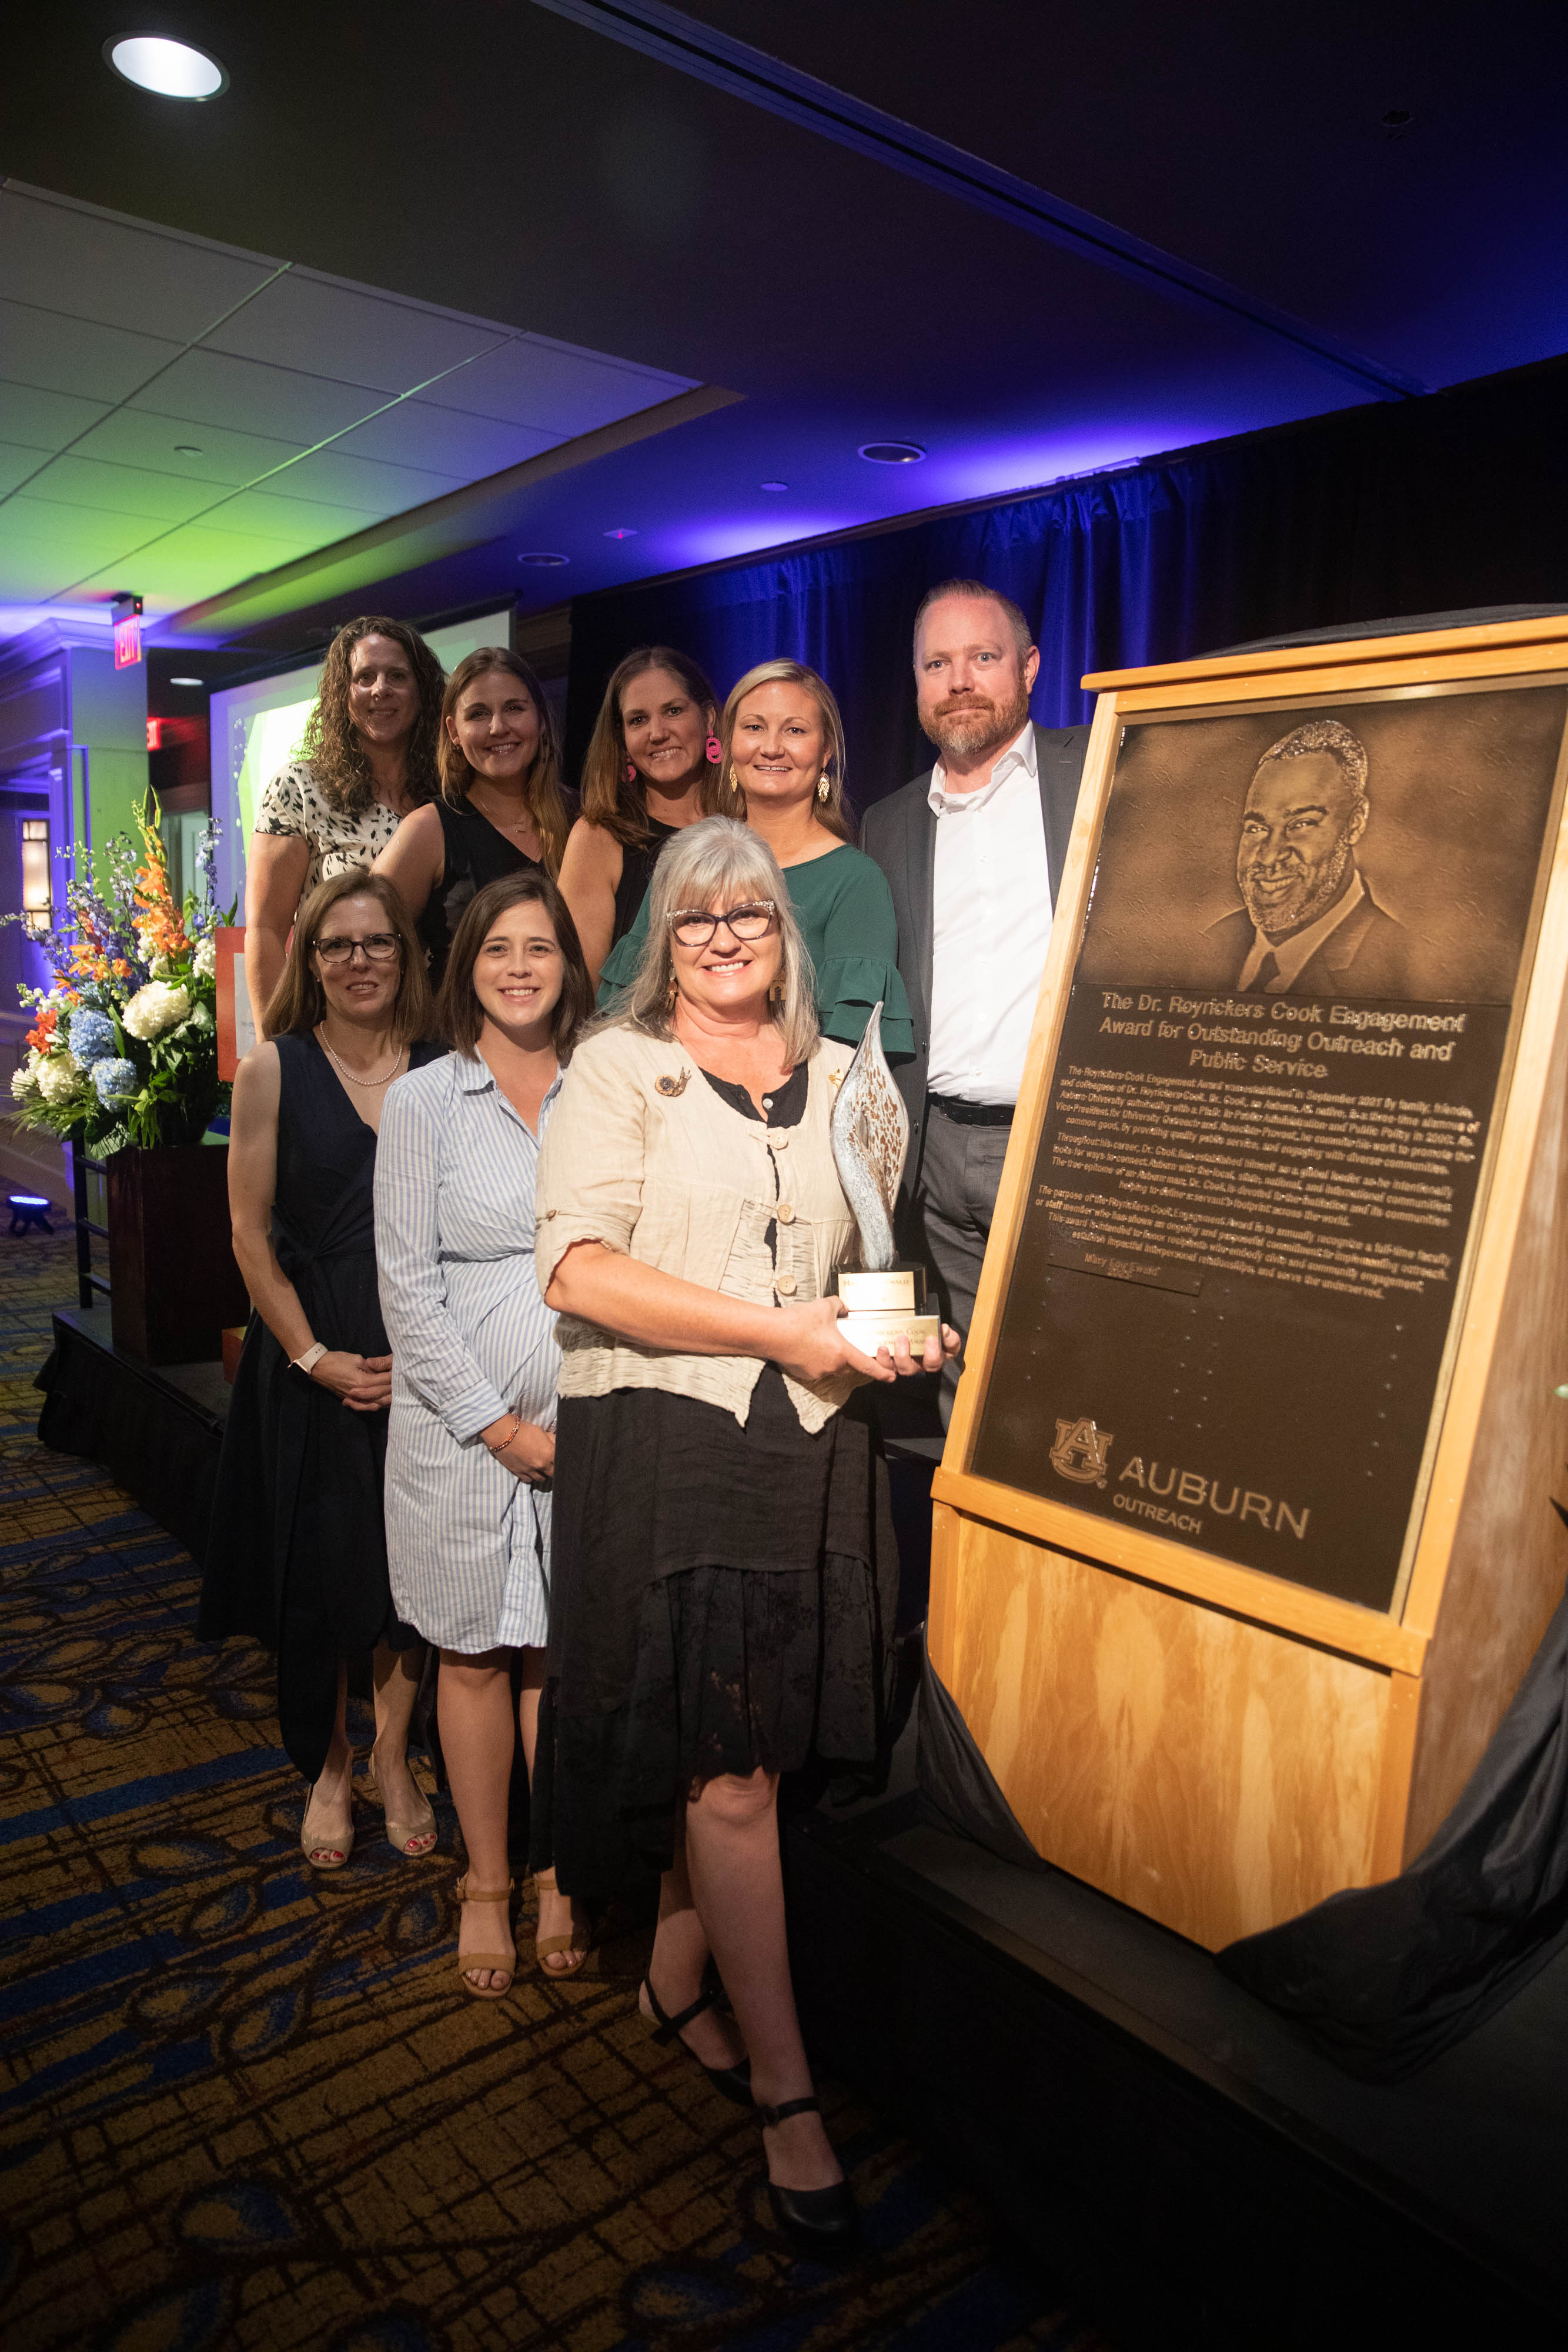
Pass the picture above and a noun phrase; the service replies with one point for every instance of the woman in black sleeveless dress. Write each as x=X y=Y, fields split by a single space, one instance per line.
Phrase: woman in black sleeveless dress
x=501 y=808
x=298 y=1553
x=651 y=770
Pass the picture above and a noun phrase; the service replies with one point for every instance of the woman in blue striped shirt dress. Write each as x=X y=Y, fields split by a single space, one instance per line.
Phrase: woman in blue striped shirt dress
x=471 y=1440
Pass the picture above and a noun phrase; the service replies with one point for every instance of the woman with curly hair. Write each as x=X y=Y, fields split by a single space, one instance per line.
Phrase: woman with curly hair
x=500 y=810
x=651 y=769
x=367 y=757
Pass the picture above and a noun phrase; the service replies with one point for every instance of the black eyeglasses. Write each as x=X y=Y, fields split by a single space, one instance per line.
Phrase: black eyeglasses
x=694 y=930
x=381 y=947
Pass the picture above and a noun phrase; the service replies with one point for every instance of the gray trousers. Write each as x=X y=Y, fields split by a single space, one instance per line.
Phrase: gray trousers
x=960 y=1169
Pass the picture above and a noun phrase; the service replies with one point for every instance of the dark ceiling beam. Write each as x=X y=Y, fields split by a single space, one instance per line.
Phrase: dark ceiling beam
x=690 y=48
x=478 y=512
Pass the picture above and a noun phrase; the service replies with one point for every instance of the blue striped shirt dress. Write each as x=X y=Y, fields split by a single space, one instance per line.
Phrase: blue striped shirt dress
x=472 y=1339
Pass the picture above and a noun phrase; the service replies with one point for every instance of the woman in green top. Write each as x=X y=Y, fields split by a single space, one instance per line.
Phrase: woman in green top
x=783 y=744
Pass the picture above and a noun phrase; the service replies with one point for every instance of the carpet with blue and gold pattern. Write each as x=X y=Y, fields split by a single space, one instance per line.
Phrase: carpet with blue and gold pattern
x=248 y=2105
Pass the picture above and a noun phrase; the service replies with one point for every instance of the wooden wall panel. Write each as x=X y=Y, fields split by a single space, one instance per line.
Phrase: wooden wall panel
x=1215 y=1774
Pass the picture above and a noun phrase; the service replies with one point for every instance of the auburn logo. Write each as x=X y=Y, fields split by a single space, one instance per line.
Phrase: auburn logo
x=1082 y=1452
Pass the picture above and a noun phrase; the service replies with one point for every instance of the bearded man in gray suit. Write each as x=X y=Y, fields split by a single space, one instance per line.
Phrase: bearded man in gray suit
x=973 y=851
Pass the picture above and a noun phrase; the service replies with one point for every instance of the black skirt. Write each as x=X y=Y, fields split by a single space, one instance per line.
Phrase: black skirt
x=722 y=1600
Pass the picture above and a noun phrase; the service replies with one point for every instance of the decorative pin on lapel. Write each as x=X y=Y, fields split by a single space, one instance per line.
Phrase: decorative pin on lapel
x=669 y=1085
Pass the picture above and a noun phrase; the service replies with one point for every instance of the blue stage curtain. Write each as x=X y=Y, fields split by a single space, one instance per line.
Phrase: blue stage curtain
x=1456 y=501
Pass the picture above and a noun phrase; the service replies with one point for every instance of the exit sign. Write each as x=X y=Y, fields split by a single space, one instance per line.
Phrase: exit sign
x=127 y=610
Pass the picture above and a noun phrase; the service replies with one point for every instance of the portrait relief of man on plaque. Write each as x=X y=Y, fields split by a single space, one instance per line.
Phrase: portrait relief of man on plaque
x=1243 y=1242
x=1377 y=849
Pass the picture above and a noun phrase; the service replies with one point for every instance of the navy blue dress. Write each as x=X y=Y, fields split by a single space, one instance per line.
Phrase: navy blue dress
x=298 y=1553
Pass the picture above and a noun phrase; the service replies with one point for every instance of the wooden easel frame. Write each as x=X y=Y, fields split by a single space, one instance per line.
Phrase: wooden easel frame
x=1504 y=1352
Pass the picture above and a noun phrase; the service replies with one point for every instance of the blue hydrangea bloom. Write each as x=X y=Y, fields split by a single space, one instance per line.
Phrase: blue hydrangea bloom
x=91 y=1035
x=115 y=1081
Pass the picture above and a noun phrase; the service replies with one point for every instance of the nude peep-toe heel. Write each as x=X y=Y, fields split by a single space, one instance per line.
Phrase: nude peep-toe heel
x=545 y=1944
x=312 y=1848
x=400 y=1832
x=506 y=1959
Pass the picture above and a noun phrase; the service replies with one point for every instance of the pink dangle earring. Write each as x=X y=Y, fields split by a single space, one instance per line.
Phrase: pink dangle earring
x=713 y=751
x=631 y=772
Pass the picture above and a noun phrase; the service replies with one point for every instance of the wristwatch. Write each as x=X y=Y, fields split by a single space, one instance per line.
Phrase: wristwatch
x=306 y=1364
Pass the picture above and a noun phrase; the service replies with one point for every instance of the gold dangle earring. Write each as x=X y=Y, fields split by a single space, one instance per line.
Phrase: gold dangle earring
x=823 y=787
x=735 y=786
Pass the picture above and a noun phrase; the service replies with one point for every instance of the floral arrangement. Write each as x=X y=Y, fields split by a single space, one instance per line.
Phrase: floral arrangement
x=124 y=1047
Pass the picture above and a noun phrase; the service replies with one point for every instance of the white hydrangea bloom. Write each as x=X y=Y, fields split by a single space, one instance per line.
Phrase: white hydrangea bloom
x=205 y=962
x=59 y=1077
x=155 y=1008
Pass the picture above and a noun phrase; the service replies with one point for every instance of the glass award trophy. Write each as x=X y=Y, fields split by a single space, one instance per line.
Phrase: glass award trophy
x=886 y=1299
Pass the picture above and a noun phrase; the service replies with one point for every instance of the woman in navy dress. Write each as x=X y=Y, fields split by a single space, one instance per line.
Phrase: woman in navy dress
x=297 y=1555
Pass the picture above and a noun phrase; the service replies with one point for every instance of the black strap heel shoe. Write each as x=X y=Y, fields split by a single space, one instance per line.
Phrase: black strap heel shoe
x=735 y=2082
x=819 y=2221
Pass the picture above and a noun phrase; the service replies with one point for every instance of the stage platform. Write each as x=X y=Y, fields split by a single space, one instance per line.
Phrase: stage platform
x=1192 y=2169
x=158 y=1431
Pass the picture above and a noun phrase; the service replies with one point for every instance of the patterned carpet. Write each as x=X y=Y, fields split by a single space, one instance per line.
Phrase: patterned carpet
x=246 y=2105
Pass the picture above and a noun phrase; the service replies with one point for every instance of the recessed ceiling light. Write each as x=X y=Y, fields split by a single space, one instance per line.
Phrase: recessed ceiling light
x=1399 y=118
x=773 y=486
x=544 y=561
x=187 y=448
x=187 y=681
x=625 y=531
x=892 y=453
x=168 y=68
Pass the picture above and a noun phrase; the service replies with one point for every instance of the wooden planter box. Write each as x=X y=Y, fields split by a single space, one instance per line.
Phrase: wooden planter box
x=173 y=1283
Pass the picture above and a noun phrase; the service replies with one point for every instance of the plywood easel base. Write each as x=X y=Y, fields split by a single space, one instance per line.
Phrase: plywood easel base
x=1216 y=1774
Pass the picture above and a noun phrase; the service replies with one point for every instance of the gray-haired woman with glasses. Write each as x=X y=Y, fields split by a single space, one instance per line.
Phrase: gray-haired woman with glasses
x=298 y=1553
x=725 y=1571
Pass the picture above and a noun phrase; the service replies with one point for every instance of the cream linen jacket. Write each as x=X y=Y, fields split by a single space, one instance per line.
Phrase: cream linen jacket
x=642 y=1155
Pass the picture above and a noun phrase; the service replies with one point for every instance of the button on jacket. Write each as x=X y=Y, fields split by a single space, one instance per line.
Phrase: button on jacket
x=644 y=1156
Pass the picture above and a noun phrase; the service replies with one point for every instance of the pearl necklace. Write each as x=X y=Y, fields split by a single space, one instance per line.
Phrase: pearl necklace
x=344 y=1072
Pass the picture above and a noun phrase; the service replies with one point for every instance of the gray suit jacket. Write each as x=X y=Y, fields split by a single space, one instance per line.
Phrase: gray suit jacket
x=900 y=833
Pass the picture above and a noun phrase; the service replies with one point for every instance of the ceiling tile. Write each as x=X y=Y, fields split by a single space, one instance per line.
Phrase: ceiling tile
x=210 y=388
x=61 y=355
x=302 y=522
x=72 y=538
x=339 y=480
x=28 y=574
x=143 y=436
x=558 y=391
x=196 y=560
x=117 y=271
x=15 y=465
x=308 y=322
x=80 y=481
x=444 y=440
x=44 y=420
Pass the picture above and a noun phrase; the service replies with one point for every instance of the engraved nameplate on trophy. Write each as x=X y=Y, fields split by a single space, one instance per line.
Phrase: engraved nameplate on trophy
x=885 y=1298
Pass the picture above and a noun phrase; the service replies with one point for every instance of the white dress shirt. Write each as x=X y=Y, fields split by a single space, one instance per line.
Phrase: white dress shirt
x=991 y=913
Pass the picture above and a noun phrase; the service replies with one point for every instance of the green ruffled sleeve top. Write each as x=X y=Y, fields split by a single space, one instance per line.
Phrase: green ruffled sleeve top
x=844 y=908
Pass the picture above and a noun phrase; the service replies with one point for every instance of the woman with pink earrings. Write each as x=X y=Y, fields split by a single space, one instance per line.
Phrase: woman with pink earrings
x=651 y=769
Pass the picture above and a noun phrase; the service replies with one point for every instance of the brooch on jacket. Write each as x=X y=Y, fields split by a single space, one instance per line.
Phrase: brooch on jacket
x=669 y=1085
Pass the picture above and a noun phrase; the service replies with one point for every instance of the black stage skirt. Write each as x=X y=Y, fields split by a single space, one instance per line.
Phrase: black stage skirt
x=722 y=1600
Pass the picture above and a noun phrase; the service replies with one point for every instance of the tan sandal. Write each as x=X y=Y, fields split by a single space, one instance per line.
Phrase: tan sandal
x=400 y=1832
x=314 y=1848
x=506 y=1959
x=546 y=1945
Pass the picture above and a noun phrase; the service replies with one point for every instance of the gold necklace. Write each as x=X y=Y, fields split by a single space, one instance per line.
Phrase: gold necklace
x=344 y=1072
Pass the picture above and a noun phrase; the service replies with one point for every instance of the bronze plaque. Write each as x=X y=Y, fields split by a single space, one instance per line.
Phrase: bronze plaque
x=1252 y=1192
